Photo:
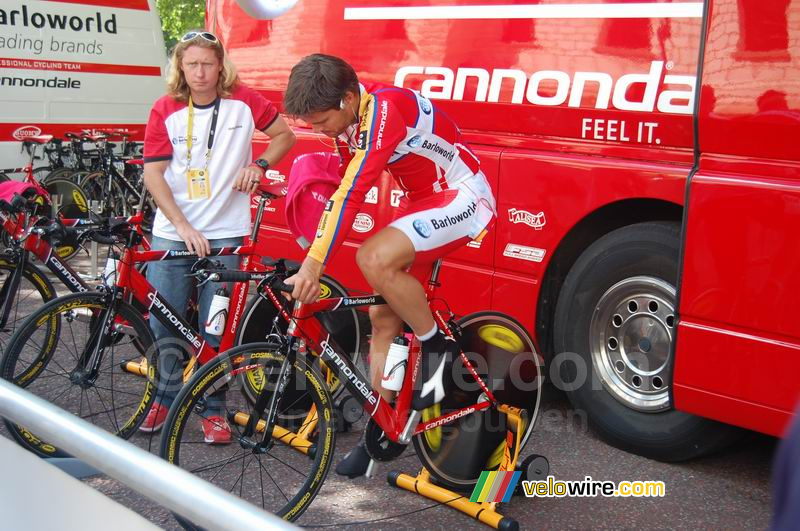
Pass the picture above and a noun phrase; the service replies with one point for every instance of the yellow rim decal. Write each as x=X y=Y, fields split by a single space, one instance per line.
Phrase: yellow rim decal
x=433 y=437
x=324 y=291
x=79 y=200
x=501 y=337
x=65 y=250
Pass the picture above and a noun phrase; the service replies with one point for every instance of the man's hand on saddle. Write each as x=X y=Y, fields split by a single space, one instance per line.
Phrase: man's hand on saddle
x=306 y=281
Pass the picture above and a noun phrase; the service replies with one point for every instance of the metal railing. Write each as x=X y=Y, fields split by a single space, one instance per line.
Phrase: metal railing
x=179 y=491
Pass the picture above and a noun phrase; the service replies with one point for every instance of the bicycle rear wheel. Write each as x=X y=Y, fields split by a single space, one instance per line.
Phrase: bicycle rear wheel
x=503 y=355
x=113 y=202
x=33 y=291
x=45 y=356
x=74 y=203
x=284 y=477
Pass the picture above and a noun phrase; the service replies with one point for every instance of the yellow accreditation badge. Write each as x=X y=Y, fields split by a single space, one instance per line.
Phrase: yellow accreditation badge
x=198 y=183
x=197 y=179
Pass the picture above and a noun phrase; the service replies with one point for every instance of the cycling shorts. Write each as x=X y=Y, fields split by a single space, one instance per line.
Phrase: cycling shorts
x=446 y=221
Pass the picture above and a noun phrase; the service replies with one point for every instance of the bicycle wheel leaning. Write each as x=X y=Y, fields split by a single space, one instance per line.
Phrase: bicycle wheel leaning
x=282 y=477
x=63 y=354
x=502 y=353
x=32 y=292
x=113 y=201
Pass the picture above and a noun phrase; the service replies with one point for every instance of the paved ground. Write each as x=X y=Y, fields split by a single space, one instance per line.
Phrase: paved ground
x=729 y=490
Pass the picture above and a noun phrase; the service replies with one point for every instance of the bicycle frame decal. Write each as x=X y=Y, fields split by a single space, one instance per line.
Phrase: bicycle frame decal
x=65 y=273
x=350 y=372
x=170 y=318
x=131 y=279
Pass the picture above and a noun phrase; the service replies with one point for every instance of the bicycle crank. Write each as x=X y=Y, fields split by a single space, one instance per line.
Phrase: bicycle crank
x=379 y=446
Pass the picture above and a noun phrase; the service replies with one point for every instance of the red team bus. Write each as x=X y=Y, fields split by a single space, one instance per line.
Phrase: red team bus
x=645 y=161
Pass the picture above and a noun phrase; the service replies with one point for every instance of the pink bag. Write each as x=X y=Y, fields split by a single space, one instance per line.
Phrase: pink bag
x=313 y=179
x=25 y=189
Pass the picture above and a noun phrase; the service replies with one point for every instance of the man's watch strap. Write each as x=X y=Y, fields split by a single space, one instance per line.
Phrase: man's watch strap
x=261 y=163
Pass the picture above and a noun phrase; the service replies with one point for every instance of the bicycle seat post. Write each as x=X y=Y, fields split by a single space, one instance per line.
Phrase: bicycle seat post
x=262 y=204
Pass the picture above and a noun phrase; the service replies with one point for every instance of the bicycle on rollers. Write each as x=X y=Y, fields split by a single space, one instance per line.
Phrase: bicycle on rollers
x=98 y=344
x=481 y=425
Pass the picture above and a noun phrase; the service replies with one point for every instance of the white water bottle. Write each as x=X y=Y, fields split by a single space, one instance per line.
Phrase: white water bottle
x=395 y=368
x=110 y=270
x=218 y=312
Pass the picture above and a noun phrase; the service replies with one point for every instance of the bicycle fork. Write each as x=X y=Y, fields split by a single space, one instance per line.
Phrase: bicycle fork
x=88 y=367
x=268 y=426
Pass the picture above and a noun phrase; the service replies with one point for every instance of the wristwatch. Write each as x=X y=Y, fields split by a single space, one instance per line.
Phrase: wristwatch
x=261 y=163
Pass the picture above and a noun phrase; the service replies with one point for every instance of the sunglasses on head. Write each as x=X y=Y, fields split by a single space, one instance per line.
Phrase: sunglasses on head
x=210 y=37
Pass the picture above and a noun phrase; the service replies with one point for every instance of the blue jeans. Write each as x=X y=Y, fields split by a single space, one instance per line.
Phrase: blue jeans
x=168 y=277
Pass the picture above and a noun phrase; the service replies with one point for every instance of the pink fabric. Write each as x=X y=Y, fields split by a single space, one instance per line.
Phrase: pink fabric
x=9 y=188
x=312 y=180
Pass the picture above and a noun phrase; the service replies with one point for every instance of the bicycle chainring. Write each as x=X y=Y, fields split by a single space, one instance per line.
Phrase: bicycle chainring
x=379 y=446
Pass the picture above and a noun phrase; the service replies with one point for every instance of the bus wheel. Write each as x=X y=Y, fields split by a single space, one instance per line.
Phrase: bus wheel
x=615 y=323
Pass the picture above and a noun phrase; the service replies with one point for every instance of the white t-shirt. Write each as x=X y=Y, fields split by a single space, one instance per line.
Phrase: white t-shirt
x=226 y=213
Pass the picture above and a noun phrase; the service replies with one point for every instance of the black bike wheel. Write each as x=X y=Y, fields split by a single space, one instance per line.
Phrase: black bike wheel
x=45 y=175
x=74 y=203
x=502 y=353
x=33 y=291
x=113 y=203
x=344 y=327
x=43 y=357
x=284 y=477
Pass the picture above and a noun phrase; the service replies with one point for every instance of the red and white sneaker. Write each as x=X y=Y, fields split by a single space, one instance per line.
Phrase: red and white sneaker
x=155 y=419
x=216 y=430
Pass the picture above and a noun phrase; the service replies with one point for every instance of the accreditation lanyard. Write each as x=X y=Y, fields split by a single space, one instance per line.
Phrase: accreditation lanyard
x=210 y=133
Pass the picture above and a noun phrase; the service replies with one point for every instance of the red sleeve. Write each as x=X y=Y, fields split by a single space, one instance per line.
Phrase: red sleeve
x=382 y=129
x=156 y=138
x=264 y=112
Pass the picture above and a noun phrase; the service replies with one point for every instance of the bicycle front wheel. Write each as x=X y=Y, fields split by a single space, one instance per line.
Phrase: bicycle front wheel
x=503 y=355
x=61 y=354
x=33 y=291
x=281 y=476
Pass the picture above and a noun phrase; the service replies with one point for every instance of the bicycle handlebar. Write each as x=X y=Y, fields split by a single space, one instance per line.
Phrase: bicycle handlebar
x=103 y=232
x=237 y=275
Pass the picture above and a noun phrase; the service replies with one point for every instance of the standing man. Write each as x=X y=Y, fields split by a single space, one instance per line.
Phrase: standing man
x=200 y=172
x=448 y=203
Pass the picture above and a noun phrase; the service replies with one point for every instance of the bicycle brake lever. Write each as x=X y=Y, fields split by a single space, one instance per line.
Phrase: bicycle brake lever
x=212 y=277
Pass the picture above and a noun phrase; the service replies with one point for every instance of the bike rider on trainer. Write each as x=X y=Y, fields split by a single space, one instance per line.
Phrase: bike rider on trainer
x=448 y=203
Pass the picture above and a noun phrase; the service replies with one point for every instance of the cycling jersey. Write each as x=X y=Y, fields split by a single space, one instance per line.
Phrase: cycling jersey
x=401 y=131
x=226 y=212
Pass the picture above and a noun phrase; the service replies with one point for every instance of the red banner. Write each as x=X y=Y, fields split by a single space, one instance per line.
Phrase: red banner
x=14 y=132
x=83 y=68
x=122 y=4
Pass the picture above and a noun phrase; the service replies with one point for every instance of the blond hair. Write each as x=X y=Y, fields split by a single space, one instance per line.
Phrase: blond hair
x=176 y=81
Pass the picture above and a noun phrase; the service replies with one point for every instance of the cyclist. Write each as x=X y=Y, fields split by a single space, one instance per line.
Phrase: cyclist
x=448 y=202
x=199 y=170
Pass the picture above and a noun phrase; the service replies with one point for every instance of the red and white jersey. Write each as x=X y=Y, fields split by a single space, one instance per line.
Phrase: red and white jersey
x=400 y=131
x=226 y=213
